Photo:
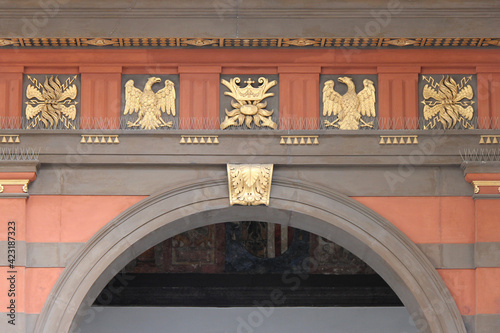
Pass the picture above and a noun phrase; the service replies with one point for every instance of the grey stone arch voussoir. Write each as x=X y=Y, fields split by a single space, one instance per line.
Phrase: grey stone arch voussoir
x=309 y=207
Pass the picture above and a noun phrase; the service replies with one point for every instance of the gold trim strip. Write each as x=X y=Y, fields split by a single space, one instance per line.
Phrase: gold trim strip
x=7 y=138
x=199 y=139
x=489 y=139
x=398 y=140
x=23 y=182
x=107 y=139
x=478 y=183
x=299 y=140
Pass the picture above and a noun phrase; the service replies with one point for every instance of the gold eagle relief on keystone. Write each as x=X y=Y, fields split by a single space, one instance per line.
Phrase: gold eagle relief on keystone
x=149 y=105
x=248 y=105
x=249 y=184
x=350 y=108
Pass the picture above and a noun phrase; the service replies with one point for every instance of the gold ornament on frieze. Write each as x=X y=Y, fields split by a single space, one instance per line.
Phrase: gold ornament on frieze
x=249 y=184
x=248 y=106
x=495 y=42
x=350 y=107
x=52 y=102
x=199 y=41
x=448 y=102
x=149 y=105
x=402 y=42
x=300 y=42
x=98 y=41
x=5 y=42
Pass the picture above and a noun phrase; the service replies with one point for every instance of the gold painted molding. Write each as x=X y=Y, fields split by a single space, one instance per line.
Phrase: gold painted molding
x=6 y=138
x=299 y=140
x=398 y=140
x=199 y=139
x=478 y=183
x=489 y=139
x=23 y=182
x=249 y=184
x=108 y=139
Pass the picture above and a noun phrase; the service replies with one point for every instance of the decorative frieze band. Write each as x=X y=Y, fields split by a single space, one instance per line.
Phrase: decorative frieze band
x=252 y=102
x=183 y=42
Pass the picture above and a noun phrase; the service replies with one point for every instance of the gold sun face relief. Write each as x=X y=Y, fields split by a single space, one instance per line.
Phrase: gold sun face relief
x=51 y=101
x=248 y=103
x=449 y=103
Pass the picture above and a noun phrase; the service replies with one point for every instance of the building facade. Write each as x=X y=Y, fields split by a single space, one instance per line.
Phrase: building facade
x=115 y=142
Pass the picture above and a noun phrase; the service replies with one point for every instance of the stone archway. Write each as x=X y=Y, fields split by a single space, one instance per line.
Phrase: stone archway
x=318 y=210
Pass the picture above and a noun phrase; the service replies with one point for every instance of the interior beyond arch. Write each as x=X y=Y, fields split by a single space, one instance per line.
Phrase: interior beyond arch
x=326 y=213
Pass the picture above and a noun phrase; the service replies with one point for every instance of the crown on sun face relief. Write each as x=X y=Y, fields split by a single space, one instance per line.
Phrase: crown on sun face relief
x=248 y=107
x=249 y=93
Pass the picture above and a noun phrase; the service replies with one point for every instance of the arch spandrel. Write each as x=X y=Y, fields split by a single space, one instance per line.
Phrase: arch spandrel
x=324 y=212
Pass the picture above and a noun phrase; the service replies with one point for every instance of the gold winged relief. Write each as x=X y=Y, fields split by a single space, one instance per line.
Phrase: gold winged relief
x=447 y=102
x=249 y=106
x=349 y=107
x=51 y=103
x=149 y=105
x=249 y=184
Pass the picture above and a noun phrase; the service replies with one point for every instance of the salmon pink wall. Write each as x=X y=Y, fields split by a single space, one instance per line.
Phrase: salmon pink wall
x=72 y=218
x=428 y=219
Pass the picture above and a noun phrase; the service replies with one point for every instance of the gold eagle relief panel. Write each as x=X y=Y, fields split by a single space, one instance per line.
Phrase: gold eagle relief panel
x=349 y=102
x=149 y=102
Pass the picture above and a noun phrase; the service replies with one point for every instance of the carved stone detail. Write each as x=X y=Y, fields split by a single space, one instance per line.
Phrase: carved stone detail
x=249 y=184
